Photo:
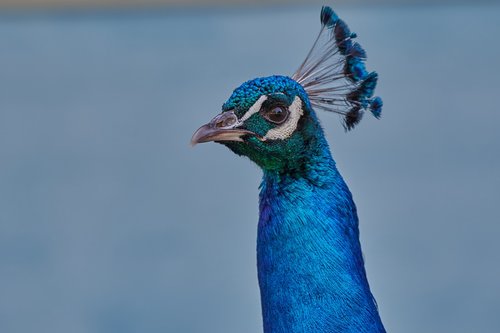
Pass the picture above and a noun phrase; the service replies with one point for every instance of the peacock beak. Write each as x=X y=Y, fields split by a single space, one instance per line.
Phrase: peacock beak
x=224 y=127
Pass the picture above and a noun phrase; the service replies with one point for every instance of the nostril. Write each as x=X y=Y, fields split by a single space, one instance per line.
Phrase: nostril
x=225 y=120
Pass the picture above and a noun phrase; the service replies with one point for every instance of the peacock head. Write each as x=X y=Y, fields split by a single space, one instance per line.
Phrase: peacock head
x=269 y=120
x=272 y=121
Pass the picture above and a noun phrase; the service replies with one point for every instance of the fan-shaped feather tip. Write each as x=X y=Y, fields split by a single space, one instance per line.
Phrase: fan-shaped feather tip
x=342 y=36
x=328 y=17
x=368 y=85
x=357 y=51
x=353 y=117
x=376 y=106
x=355 y=69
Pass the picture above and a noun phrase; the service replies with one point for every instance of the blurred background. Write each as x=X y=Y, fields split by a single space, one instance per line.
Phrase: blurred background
x=111 y=222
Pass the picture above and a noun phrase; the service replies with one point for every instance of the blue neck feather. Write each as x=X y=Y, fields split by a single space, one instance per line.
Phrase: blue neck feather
x=311 y=270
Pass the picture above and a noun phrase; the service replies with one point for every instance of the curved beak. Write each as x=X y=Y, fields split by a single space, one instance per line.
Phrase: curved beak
x=222 y=128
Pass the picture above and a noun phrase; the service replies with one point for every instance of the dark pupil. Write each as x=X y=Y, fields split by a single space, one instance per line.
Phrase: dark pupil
x=277 y=114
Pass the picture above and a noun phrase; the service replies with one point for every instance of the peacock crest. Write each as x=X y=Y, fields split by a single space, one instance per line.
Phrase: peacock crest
x=334 y=74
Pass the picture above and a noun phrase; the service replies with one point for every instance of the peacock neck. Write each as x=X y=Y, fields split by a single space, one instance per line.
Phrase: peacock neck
x=310 y=266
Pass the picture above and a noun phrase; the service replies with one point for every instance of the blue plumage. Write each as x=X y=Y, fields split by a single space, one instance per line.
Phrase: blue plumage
x=247 y=94
x=310 y=266
x=311 y=271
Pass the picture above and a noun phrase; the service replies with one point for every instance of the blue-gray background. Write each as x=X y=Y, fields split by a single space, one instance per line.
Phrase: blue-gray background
x=111 y=222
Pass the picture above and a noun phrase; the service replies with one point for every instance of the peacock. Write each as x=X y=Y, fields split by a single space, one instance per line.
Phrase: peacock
x=310 y=266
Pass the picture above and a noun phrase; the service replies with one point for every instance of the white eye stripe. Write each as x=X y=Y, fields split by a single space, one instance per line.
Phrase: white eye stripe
x=286 y=130
x=254 y=108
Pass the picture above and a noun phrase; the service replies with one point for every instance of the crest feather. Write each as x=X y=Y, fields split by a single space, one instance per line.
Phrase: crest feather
x=334 y=74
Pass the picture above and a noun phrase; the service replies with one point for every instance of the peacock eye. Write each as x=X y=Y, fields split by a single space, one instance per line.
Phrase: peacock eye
x=276 y=114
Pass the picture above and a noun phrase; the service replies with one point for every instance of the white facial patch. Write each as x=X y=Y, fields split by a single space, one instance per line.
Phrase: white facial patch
x=254 y=108
x=286 y=129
